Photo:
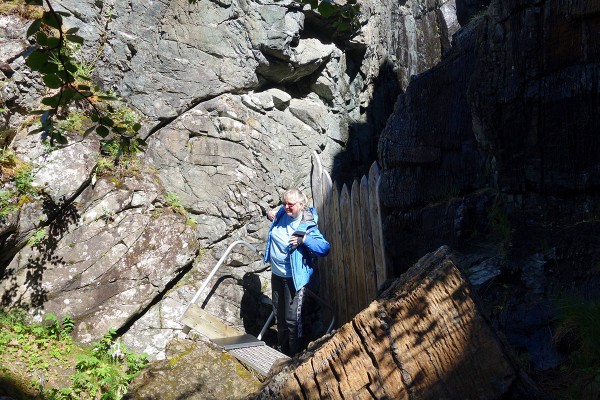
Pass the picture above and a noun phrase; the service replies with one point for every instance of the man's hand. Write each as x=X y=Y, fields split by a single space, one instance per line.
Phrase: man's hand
x=271 y=214
x=296 y=240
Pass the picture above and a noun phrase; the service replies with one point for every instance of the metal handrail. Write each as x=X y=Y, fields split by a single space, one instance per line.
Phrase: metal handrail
x=270 y=319
x=221 y=260
x=314 y=295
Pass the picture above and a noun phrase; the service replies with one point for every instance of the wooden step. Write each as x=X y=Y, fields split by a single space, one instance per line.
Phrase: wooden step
x=206 y=324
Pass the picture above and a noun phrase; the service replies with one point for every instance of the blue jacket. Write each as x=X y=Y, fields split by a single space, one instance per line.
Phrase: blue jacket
x=314 y=244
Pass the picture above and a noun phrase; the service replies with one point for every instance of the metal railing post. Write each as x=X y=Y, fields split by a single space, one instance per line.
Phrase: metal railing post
x=216 y=268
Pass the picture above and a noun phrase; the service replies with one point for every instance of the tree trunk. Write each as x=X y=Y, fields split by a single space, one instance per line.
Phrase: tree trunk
x=423 y=338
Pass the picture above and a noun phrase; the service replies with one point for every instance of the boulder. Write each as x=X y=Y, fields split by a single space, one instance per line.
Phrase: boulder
x=193 y=370
x=301 y=61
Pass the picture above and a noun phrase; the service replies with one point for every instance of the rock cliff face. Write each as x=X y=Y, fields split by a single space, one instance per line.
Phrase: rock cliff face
x=234 y=98
x=484 y=124
x=494 y=150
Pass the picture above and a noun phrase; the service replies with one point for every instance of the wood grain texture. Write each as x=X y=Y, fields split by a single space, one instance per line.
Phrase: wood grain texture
x=423 y=338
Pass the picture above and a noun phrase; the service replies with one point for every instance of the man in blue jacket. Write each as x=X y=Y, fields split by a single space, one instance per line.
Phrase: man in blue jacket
x=293 y=240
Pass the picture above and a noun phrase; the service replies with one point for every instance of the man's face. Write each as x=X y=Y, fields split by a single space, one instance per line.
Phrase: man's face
x=293 y=207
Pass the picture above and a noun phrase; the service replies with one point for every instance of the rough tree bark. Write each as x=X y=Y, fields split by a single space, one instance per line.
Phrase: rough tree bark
x=423 y=338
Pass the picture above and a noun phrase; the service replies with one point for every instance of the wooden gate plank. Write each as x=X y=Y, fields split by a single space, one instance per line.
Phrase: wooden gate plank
x=349 y=267
x=326 y=265
x=370 y=280
x=359 y=257
x=319 y=204
x=338 y=261
x=376 y=227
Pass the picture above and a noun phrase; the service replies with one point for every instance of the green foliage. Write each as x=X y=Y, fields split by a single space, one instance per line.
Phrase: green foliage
x=27 y=342
x=579 y=331
x=20 y=174
x=68 y=324
x=102 y=371
x=69 y=81
x=38 y=237
x=118 y=162
x=344 y=17
x=19 y=7
x=23 y=179
x=7 y=203
x=8 y=162
x=174 y=202
x=74 y=122
x=53 y=327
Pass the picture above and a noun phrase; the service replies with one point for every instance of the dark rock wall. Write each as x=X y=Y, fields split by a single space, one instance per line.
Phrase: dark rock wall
x=495 y=152
x=430 y=155
x=535 y=95
x=513 y=107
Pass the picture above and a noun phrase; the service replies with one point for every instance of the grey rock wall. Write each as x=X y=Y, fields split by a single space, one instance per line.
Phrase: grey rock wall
x=234 y=98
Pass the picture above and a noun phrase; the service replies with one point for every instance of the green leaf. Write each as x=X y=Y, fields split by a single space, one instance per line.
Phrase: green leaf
x=36 y=60
x=49 y=68
x=342 y=26
x=120 y=129
x=65 y=76
x=52 y=19
x=136 y=127
x=60 y=138
x=34 y=27
x=313 y=3
x=75 y=39
x=52 y=81
x=326 y=9
x=52 y=42
x=68 y=94
x=102 y=131
x=83 y=87
x=72 y=31
x=51 y=101
x=41 y=38
x=94 y=117
x=88 y=131
x=71 y=67
x=107 y=121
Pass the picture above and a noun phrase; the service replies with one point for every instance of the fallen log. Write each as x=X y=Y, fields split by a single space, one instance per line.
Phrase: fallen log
x=422 y=338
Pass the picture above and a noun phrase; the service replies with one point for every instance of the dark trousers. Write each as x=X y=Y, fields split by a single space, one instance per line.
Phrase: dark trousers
x=287 y=303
